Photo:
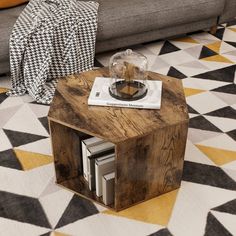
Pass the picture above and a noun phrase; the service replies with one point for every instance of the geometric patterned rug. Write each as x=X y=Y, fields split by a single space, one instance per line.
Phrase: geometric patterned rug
x=205 y=204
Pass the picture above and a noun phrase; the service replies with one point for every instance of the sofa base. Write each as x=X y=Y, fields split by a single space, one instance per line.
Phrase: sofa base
x=127 y=41
x=111 y=44
x=213 y=29
x=4 y=66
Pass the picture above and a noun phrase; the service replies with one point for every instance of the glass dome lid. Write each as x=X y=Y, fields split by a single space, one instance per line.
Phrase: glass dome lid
x=128 y=70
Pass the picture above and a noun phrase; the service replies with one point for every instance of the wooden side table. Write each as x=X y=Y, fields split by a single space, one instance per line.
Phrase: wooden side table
x=149 y=144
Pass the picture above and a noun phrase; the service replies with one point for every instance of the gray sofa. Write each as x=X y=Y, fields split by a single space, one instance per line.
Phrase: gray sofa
x=127 y=22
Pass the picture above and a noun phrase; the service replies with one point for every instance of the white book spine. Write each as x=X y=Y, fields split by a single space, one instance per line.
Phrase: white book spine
x=91 y=173
x=101 y=170
x=84 y=158
x=97 y=182
x=108 y=188
x=85 y=144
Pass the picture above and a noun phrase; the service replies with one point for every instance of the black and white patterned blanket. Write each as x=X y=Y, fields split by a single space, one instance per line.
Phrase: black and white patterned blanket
x=51 y=39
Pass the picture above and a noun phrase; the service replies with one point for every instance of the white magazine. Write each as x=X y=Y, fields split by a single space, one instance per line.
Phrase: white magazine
x=100 y=96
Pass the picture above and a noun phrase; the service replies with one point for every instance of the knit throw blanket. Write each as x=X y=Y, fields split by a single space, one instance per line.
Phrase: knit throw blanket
x=51 y=39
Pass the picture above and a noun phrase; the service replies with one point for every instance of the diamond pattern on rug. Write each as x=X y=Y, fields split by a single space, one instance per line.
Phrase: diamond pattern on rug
x=206 y=65
x=77 y=209
x=201 y=122
x=9 y=159
x=208 y=175
x=20 y=138
x=23 y=209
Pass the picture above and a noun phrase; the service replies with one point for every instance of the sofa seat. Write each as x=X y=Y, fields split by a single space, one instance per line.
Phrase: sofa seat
x=229 y=11
x=123 y=18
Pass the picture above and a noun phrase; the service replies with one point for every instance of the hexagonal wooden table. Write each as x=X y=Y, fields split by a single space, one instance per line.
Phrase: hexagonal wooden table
x=149 y=144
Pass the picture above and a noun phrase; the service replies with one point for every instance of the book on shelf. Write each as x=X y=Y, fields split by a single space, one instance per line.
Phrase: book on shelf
x=100 y=96
x=103 y=166
x=99 y=150
x=108 y=183
x=86 y=143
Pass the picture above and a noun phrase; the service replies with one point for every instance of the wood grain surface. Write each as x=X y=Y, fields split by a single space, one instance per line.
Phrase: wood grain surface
x=66 y=146
x=150 y=165
x=70 y=107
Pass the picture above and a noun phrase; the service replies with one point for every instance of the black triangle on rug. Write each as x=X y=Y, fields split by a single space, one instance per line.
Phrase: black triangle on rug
x=175 y=73
x=206 y=52
x=168 y=48
x=20 y=138
x=214 y=227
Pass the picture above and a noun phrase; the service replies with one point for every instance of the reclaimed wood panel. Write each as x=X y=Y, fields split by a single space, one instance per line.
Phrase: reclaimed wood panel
x=66 y=148
x=150 y=165
x=115 y=124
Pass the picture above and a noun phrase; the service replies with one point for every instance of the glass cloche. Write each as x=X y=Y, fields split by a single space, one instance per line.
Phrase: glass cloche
x=128 y=70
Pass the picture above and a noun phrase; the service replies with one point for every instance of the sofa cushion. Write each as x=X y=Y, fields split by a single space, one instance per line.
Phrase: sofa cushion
x=122 y=18
x=9 y=17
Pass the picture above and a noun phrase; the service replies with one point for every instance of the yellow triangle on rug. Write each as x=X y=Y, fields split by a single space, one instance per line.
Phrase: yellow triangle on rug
x=217 y=58
x=190 y=91
x=31 y=160
x=186 y=40
x=218 y=156
x=214 y=46
x=155 y=211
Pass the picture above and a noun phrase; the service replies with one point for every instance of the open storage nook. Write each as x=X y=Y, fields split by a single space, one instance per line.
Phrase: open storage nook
x=149 y=144
x=66 y=143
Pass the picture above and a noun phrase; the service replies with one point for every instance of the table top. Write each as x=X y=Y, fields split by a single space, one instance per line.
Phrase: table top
x=70 y=108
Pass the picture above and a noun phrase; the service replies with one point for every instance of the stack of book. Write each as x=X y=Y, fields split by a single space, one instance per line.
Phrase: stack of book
x=98 y=157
